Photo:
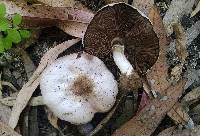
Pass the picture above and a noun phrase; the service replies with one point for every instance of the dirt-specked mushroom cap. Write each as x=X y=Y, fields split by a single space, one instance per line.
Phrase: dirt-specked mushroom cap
x=75 y=87
x=124 y=22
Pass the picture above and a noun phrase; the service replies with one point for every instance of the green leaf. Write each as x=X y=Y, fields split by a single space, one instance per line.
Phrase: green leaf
x=4 y=24
x=17 y=19
x=2 y=10
x=25 y=33
x=14 y=36
x=7 y=42
x=1 y=46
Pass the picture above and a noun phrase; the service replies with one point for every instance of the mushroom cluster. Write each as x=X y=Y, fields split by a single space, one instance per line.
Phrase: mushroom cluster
x=75 y=87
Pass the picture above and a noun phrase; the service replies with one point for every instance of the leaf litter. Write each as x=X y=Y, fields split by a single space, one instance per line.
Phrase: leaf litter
x=73 y=17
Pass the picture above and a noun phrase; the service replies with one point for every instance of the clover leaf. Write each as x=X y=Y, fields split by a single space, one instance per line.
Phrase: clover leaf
x=10 y=32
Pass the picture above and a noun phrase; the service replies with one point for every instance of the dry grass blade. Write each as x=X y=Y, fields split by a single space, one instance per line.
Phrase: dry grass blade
x=197 y=9
x=28 y=89
x=7 y=131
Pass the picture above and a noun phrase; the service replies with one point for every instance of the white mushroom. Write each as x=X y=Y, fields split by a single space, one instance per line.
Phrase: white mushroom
x=76 y=86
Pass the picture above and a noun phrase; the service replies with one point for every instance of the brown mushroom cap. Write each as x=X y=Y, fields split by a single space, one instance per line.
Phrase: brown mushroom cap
x=122 y=21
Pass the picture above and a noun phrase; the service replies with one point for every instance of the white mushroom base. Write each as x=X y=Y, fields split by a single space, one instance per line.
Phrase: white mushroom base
x=75 y=87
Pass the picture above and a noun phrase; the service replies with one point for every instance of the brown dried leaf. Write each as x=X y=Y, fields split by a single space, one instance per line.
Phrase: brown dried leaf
x=28 y=89
x=44 y=16
x=180 y=116
x=7 y=131
x=47 y=12
x=172 y=131
x=157 y=76
x=149 y=118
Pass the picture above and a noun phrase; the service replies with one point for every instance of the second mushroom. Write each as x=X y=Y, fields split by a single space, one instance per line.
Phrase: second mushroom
x=125 y=33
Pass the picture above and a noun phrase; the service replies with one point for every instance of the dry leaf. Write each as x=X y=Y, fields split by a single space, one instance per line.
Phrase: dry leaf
x=45 y=16
x=180 y=41
x=73 y=28
x=176 y=10
x=28 y=89
x=7 y=131
x=180 y=116
x=61 y=3
x=192 y=32
x=5 y=112
x=197 y=9
x=157 y=76
x=172 y=131
x=181 y=51
x=34 y=101
x=192 y=96
x=115 y=1
x=149 y=118
x=143 y=5
x=47 y=12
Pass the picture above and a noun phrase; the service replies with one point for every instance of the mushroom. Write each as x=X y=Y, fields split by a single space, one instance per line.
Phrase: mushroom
x=77 y=86
x=123 y=32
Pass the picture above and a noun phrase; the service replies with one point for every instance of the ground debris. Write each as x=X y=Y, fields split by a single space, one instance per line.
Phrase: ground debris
x=7 y=131
x=176 y=10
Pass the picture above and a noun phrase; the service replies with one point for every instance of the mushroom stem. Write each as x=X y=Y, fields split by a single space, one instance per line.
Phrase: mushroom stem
x=121 y=61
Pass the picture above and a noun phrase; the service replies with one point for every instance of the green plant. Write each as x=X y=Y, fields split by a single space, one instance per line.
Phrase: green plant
x=10 y=32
